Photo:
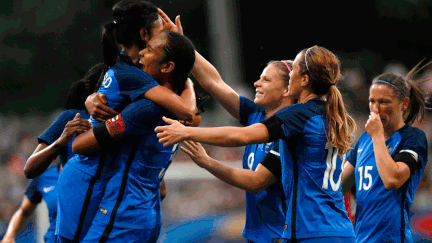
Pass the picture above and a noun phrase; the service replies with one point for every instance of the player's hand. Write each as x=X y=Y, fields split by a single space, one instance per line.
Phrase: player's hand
x=77 y=125
x=168 y=25
x=196 y=151
x=95 y=105
x=374 y=126
x=171 y=134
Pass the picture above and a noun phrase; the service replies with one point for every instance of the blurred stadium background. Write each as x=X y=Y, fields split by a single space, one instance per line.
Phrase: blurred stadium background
x=48 y=44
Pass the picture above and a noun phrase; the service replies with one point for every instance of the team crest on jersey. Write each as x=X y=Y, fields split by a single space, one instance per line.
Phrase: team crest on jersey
x=267 y=146
x=103 y=210
x=116 y=127
x=390 y=149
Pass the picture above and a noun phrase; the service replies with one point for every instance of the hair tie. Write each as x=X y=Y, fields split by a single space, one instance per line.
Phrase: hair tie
x=392 y=85
x=307 y=51
x=289 y=69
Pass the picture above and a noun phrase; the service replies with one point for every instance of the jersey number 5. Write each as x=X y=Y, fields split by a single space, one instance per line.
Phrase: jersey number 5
x=331 y=167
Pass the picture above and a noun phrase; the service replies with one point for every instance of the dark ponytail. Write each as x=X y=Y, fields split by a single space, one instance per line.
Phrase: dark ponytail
x=180 y=50
x=129 y=17
x=74 y=100
x=81 y=89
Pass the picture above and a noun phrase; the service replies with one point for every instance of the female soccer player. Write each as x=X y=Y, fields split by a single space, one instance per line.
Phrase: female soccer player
x=83 y=179
x=265 y=211
x=43 y=187
x=130 y=208
x=55 y=141
x=388 y=160
x=313 y=134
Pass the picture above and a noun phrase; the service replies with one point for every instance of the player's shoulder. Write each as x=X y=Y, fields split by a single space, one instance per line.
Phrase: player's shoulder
x=411 y=131
x=364 y=137
x=310 y=108
x=123 y=70
x=413 y=136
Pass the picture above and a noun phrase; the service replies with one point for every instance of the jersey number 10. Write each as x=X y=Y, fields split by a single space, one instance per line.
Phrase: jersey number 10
x=331 y=167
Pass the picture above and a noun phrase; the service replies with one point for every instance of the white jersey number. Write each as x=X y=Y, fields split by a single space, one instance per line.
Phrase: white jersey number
x=107 y=81
x=331 y=167
x=366 y=176
x=250 y=160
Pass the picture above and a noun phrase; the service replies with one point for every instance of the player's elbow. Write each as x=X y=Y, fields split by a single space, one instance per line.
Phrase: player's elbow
x=392 y=184
x=256 y=189
x=188 y=114
x=29 y=172
x=257 y=185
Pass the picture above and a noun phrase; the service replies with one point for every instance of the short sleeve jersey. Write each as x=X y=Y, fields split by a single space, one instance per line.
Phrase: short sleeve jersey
x=265 y=211
x=123 y=83
x=311 y=174
x=53 y=132
x=45 y=187
x=132 y=194
x=383 y=215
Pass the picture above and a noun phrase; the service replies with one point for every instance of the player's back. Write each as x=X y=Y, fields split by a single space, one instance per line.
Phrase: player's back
x=311 y=175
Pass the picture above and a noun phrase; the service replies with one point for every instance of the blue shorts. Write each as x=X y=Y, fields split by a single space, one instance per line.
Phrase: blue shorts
x=73 y=188
x=323 y=240
x=121 y=235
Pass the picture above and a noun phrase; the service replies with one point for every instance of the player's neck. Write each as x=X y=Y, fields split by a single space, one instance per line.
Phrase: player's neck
x=166 y=82
x=133 y=53
x=390 y=130
x=270 y=111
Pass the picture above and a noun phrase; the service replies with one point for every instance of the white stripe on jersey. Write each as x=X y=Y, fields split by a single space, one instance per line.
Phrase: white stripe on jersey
x=410 y=152
x=275 y=153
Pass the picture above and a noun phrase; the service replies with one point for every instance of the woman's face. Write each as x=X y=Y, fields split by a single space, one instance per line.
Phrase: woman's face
x=151 y=57
x=384 y=101
x=295 y=88
x=270 y=88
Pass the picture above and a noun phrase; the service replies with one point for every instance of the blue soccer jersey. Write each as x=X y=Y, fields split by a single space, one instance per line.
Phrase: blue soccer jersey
x=83 y=179
x=383 y=215
x=311 y=174
x=265 y=211
x=122 y=84
x=53 y=132
x=45 y=187
x=132 y=197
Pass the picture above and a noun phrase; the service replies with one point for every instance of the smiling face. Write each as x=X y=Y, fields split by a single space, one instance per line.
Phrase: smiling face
x=270 y=88
x=151 y=57
x=384 y=101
